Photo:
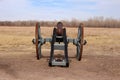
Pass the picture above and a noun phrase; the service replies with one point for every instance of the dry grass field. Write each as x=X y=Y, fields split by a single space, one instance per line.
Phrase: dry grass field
x=101 y=55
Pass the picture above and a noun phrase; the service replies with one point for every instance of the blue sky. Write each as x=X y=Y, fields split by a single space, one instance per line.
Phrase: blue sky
x=58 y=9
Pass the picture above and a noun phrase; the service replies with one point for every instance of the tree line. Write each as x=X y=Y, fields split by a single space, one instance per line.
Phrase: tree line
x=92 y=22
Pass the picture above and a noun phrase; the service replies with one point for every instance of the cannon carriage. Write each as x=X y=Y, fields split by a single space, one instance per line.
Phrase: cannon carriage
x=59 y=41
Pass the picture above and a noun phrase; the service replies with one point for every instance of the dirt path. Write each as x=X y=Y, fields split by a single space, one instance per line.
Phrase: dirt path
x=18 y=62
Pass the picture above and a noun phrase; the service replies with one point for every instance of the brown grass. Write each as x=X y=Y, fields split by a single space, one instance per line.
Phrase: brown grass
x=97 y=37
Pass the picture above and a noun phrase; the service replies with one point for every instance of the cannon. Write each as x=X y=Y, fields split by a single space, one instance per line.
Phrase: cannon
x=59 y=41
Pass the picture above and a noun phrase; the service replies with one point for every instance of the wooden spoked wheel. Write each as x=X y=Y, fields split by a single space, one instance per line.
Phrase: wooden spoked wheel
x=80 y=42
x=38 y=44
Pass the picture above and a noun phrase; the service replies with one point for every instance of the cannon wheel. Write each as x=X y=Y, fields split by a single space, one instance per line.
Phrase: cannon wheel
x=80 y=43
x=37 y=37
